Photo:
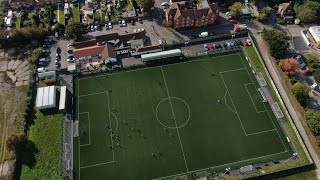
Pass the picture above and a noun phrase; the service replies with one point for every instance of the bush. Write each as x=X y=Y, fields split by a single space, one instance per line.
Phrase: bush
x=317 y=75
x=301 y=92
x=313 y=119
x=281 y=21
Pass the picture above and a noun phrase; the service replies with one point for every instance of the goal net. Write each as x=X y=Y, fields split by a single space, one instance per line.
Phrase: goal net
x=76 y=129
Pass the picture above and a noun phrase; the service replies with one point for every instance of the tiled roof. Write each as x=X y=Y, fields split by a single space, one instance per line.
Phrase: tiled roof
x=122 y=37
x=83 y=44
x=177 y=10
x=104 y=50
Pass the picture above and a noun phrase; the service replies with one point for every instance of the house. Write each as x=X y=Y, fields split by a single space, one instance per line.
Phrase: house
x=313 y=35
x=179 y=16
x=100 y=52
x=286 y=11
x=87 y=12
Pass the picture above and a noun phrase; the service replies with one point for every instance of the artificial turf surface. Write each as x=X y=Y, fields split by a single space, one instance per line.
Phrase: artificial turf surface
x=127 y=122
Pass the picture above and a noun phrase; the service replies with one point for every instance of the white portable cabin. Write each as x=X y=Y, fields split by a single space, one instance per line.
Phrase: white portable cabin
x=46 y=97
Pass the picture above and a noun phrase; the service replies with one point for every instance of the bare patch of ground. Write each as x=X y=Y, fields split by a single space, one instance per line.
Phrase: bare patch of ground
x=13 y=102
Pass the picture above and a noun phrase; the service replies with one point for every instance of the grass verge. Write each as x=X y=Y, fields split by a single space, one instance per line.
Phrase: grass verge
x=303 y=157
x=45 y=157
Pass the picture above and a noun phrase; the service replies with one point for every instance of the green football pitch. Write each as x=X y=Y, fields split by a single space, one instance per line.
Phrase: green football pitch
x=201 y=115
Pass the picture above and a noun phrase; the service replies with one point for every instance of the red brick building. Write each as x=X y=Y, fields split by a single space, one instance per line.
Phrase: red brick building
x=179 y=16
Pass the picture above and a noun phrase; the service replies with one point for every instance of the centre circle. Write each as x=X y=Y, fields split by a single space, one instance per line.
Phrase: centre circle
x=173 y=112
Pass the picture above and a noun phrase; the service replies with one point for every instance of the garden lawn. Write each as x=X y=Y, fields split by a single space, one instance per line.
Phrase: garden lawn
x=46 y=134
x=18 y=22
x=75 y=12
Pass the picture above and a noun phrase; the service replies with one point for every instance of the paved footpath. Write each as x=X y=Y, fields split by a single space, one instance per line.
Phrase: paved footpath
x=294 y=114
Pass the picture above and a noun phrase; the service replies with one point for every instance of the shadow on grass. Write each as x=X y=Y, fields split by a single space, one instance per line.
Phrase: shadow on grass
x=25 y=157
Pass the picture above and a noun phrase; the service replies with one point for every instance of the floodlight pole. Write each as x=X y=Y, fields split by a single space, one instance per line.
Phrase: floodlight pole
x=227 y=170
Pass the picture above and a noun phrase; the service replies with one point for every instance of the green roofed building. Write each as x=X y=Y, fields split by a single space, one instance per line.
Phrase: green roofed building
x=161 y=55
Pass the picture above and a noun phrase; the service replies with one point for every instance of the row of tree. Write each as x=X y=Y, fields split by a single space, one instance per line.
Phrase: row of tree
x=17 y=38
x=277 y=42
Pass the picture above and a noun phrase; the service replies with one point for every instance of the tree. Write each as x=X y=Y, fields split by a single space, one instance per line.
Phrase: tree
x=309 y=12
x=313 y=119
x=277 y=42
x=146 y=5
x=58 y=27
x=317 y=75
x=75 y=30
x=290 y=66
x=301 y=92
x=17 y=142
x=264 y=14
x=236 y=9
x=307 y=16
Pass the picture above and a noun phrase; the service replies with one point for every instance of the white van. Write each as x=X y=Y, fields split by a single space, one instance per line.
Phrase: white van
x=204 y=34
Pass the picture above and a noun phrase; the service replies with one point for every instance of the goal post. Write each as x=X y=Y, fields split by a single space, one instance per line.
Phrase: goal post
x=76 y=129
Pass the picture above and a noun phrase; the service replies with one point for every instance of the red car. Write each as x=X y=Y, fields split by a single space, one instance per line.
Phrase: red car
x=245 y=42
x=140 y=20
x=233 y=21
x=211 y=48
x=132 y=22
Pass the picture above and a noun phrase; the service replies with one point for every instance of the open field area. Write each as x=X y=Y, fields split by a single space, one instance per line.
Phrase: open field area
x=13 y=105
x=43 y=160
x=199 y=116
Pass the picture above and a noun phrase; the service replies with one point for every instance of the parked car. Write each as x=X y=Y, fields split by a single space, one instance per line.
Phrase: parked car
x=132 y=22
x=160 y=41
x=211 y=48
x=249 y=42
x=233 y=21
x=205 y=46
x=42 y=69
x=110 y=25
x=140 y=20
x=314 y=86
x=123 y=23
x=245 y=42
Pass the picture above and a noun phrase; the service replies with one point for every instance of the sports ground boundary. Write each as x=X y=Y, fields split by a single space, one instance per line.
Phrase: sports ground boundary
x=245 y=68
